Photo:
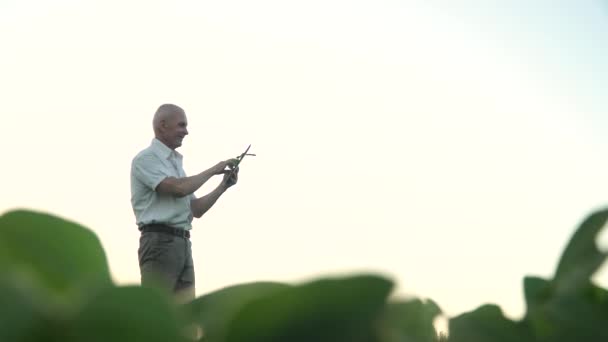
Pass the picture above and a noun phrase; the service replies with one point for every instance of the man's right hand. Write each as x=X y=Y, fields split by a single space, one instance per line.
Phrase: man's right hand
x=220 y=167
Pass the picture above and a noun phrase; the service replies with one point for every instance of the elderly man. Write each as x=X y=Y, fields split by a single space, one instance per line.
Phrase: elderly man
x=164 y=204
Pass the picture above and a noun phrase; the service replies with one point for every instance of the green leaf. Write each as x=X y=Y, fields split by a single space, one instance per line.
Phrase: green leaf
x=556 y=317
x=214 y=311
x=570 y=307
x=487 y=324
x=20 y=317
x=127 y=314
x=60 y=255
x=577 y=317
x=581 y=258
x=326 y=310
x=538 y=292
x=410 y=321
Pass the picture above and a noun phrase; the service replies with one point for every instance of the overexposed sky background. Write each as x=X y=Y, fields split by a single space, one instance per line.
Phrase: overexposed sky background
x=451 y=145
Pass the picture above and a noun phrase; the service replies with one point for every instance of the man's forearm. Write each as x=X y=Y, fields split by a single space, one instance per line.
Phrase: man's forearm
x=201 y=205
x=181 y=187
x=190 y=184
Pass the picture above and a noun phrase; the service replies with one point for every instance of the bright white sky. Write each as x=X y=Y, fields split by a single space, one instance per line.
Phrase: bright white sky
x=453 y=146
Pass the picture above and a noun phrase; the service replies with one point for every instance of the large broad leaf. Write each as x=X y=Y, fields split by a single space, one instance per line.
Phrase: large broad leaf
x=557 y=317
x=126 y=314
x=61 y=255
x=214 y=311
x=410 y=321
x=577 y=317
x=581 y=258
x=326 y=310
x=21 y=318
x=570 y=307
x=487 y=324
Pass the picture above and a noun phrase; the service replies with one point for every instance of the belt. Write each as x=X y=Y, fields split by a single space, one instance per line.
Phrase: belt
x=161 y=228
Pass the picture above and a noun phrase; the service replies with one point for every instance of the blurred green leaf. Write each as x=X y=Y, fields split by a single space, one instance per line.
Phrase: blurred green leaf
x=570 y=307
x=410 y=321
x=20 y=317
x=326 y=310
x=577 y=317
x=487 y=324
x=538 y=292
x=557 y=317
x=214 y=311
x=581 y=258
x=61 y=255
x=127 y=314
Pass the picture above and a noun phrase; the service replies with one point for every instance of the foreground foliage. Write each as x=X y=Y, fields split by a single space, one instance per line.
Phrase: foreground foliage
x=55 y=285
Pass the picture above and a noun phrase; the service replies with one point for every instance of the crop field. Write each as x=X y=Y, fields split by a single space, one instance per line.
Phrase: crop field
x=55 y=285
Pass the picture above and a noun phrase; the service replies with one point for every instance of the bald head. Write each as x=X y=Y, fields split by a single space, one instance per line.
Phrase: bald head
x=170 y=124
x=165 y=113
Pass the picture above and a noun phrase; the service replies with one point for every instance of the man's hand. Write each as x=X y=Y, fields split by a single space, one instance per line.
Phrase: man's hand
x=220 y=167
x=230 y=177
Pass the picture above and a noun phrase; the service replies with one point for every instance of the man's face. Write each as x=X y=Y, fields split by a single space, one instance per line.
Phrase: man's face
x=175 y=129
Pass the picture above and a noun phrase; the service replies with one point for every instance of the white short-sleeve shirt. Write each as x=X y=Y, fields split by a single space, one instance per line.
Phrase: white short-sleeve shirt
x=150 y=167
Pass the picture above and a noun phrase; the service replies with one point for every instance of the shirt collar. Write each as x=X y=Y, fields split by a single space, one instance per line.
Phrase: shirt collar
x=163 y=150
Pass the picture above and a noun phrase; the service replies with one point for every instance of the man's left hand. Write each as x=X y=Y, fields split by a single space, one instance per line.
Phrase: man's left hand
x=230 y=180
